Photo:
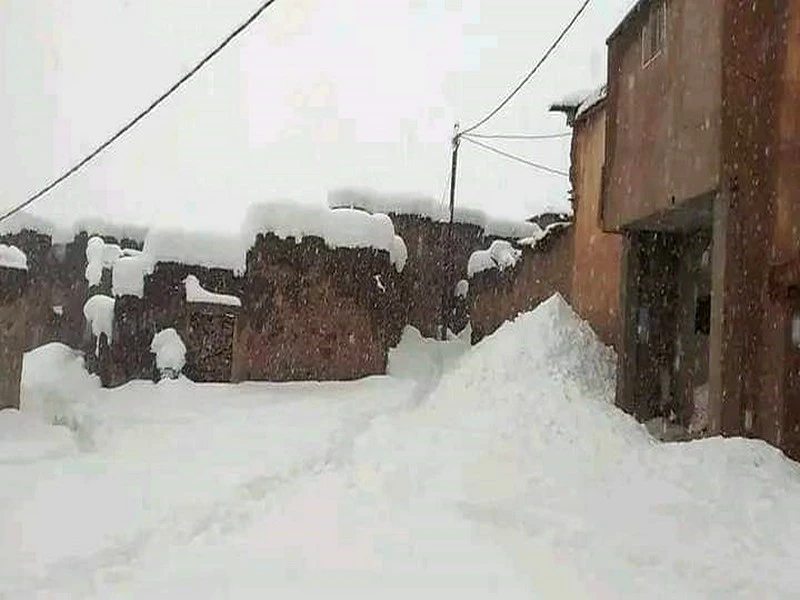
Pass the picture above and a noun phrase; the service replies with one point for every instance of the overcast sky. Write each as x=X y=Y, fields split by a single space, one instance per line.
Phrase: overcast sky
x=318 y=94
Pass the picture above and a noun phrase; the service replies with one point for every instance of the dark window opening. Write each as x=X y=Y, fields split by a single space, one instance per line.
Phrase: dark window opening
x=702 y=315
x=654 y=32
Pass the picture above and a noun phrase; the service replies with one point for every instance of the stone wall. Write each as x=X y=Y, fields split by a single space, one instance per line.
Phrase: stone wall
x=498 y=296
x=206 y=330
x=13 y=334
x=436 y=262
x=315 y=313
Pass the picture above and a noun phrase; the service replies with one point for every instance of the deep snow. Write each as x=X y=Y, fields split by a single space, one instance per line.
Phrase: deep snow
x=498 y=471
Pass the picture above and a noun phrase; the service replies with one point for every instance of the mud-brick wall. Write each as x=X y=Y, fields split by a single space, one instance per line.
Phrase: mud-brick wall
x=499 y=296
x=206 y=330
x=314 y=313
x=427 y=277
x=13 y=334
x=597 y=256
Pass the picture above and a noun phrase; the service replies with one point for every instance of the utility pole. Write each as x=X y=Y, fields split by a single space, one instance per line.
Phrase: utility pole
x=447 y=254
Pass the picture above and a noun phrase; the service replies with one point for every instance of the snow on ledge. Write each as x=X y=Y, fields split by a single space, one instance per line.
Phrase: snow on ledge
x=343 y=228
x=373 y=202
x=12 y=257
x=195 y=293
x=533 y=241
x=500 y=255
x=99 y=314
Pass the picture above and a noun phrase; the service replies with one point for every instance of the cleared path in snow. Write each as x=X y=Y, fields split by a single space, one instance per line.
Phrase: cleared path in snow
x=505 y=472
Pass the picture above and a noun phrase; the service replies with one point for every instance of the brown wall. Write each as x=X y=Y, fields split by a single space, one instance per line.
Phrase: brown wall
x=499 y=296
x=665 y=136
x=426 y=277
x=597 y=255
x=315 y=313
x=14 y=333
x=206 y=330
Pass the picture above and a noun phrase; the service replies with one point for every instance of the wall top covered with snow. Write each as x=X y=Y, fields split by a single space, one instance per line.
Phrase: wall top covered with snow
x=413 y=204
x=342 y=228
x=65 y=233
x=500 y=255
x=12 y=257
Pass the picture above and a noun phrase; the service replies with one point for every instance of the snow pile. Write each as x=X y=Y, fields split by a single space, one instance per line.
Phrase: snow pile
x=127 y=277
x=99 y=256
x=462 y=289
x=572 y=100
x=54 y=381
x=374 y=202
x=99 y=314
x=196 y=293
x=12 y=257
x=344 y=228
x=501 y=255
x=170 y=352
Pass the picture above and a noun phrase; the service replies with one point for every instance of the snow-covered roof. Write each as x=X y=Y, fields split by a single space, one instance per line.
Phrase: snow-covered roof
x=571 y=101
x=591 y=101
x=12 y=257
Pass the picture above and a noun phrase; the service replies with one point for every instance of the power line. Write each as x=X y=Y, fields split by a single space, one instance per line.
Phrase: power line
x=547 y=136
x=517 y=158
x=533 y=71
x=173 y=88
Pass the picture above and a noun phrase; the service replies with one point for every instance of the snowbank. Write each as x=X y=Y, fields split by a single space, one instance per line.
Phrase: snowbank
x=196 y=293
x=500 y=255
x=99 y=314
x=170 y=351
x=12 y=257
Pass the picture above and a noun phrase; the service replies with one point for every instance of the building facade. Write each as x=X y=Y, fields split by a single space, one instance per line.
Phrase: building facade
x=702 y=179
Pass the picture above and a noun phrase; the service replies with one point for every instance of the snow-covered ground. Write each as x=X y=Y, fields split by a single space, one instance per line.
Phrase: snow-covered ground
x=498 y=471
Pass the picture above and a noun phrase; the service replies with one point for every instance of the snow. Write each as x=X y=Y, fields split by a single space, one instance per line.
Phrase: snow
x=591 y=100
x=12 y=257
x=63 y=234
x=196 y=293
x=501 y=470
x=373 y=202
x=542 y=234
x=127 y=277
x=202 y=249
x=573 y=100
x=462 y=289
x=501 y=255
x=99 y=314
x=342 y=228
x=170 y=351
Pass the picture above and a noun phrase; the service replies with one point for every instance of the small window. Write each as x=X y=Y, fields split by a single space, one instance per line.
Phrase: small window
x=702 y=315
x=654 y=32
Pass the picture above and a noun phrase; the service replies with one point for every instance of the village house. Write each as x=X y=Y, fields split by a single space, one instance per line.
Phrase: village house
x=702 y=179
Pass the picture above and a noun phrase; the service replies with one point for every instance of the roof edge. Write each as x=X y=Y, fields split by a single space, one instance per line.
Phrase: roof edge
x=629 y=16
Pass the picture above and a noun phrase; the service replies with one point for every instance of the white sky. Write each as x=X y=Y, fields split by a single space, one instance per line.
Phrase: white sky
x=318 y=94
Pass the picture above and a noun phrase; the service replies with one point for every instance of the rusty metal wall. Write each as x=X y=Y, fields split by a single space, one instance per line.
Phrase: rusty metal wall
x=663 y=147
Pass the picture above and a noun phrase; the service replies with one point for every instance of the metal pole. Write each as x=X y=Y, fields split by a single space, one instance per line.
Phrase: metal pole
x=448 y=266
